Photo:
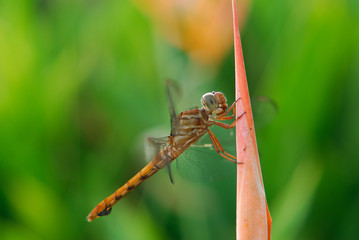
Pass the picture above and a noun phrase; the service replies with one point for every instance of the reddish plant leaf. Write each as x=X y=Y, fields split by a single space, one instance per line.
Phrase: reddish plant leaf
x=253 y=218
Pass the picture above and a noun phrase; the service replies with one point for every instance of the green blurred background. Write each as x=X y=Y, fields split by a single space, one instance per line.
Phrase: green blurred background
x=82 y=82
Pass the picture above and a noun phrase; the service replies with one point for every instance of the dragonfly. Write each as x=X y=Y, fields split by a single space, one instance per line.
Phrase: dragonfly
x=186 y=129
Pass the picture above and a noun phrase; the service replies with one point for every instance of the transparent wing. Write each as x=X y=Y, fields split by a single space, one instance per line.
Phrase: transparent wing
x=172 y=89
x=201 y=163
x=153 y=146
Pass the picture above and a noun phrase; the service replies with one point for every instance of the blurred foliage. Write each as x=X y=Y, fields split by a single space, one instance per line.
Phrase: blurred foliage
x=81 y=83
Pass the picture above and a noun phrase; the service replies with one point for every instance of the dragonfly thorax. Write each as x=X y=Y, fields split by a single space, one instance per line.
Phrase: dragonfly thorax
x=214 y=103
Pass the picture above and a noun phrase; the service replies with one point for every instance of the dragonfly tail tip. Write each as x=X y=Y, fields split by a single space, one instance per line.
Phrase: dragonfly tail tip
x=89 y=218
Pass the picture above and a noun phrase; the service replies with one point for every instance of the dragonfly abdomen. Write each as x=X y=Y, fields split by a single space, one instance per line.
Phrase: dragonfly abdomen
x=159 y=162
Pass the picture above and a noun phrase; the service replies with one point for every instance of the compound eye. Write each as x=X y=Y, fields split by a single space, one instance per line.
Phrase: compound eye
x=210 y=101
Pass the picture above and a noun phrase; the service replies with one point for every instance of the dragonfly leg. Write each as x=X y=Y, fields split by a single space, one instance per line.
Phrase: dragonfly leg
x=227 y=126
x=223 y=115
x=219 y=149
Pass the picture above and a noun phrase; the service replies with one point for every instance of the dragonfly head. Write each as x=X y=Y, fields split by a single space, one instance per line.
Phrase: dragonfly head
x=214 y=102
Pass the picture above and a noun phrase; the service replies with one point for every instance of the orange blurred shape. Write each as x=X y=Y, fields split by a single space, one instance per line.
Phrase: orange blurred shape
x=202 y=28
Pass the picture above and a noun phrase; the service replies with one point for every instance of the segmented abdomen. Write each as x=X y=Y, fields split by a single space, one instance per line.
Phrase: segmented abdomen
x=160 y=161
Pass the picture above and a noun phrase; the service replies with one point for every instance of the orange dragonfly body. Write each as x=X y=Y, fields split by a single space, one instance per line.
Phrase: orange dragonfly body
x=186 y=128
